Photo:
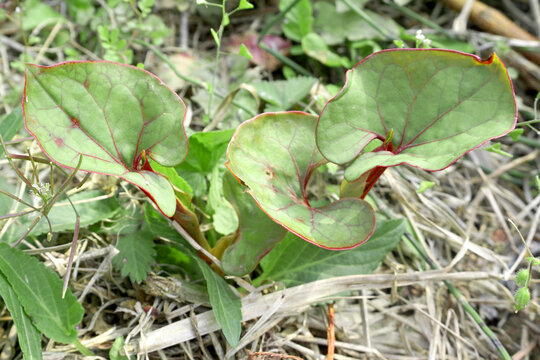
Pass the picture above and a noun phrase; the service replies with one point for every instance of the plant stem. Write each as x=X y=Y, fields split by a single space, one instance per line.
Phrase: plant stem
x=83 y=349
x=285 y=60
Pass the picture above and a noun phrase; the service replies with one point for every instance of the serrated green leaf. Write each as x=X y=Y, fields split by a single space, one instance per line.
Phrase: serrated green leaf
x=275 y=155
x=440 y=104
x=136 y=251
x=39 y=290
x=109 y=114
x=284 y=93
x=225 y=304
x=295 y=262
x=62 y=216
x=10 y=125
x=29 y=337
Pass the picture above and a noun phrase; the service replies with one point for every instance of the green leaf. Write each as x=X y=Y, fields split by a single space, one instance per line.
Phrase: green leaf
x=11 y=125
x=37 y=13
x=225 y=304
x=224 y=217
x=114 y=352
x=244 y=51
x=496 y=148
x=206 y=150
x=522 y=298
x=522 y=277
x=295 y=262
x=244 y=5
x=283 y=94
x=173 y=177
x=215 y=36
x=275 y=155
x=62 y=216
x=257 y=234
x=315 y=47
x=136 y=251
x=424 y=185
x=337 y=27
x=110 y=114
x=39 y=290
x=298 y=20
x=515 y=134
x=439 y=104
x=29 y=337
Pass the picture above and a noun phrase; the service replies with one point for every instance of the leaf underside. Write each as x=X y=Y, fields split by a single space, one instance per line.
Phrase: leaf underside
x=110 y=114
x=275 y=154
x=440 y=104
x=257 y=234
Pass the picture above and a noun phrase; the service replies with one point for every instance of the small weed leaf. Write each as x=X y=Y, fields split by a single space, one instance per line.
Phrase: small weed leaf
x=110 y=114
x=275 y=154
x=440 y=104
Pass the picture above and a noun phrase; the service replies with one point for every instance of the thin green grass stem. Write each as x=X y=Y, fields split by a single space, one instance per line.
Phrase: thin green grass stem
x=186 y=78
x=462 y=301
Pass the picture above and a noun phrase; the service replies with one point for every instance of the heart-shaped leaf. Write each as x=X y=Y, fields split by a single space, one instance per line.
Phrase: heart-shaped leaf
x=110 y=114
x=429 y=107
x=275 y=154
x=256 y=235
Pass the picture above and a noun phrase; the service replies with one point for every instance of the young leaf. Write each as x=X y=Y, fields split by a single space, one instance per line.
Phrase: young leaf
x=296 y=262
x=27 y=334
x=110 y=114
x=256 y=235
x=225 y=304
x=496 y=148
x=244 y=51
x=425 y=185
x=136 y=252
x=244 y=5
x=274 y=155
x=39 y=290
x=440 y=104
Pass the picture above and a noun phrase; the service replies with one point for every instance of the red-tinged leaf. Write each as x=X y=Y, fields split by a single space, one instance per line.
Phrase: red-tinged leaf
x=439 y=105
x=110 y=114
x=275 y=154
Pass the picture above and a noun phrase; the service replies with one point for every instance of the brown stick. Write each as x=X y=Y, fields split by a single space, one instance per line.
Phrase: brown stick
x=331 y=333
x=495 y=22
